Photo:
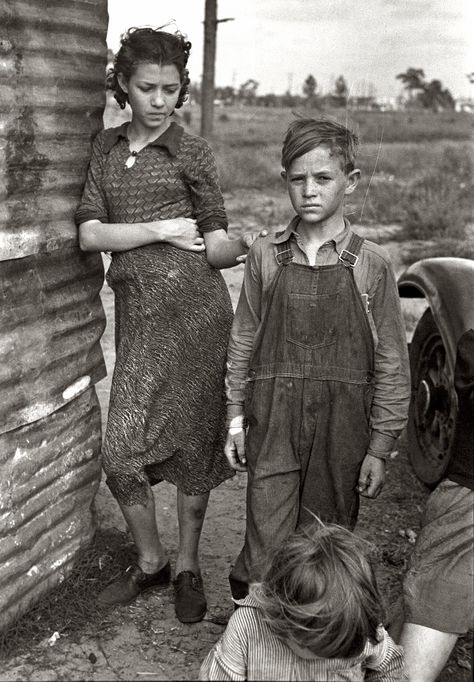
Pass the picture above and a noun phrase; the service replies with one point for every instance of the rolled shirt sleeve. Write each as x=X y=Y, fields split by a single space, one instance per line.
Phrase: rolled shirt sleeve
x=207 y=198
x=93 y=204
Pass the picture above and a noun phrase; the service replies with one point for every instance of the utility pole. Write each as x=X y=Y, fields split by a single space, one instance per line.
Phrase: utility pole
x=209 y=62
x=290 y=83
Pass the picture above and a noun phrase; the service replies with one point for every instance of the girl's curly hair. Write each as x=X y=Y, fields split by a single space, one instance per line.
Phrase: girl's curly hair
x=150 y=46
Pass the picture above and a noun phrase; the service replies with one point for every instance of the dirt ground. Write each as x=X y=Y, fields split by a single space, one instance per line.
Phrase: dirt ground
x=144 y=641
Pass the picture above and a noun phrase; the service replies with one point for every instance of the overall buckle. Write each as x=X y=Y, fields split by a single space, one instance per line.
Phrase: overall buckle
x=282 y=257
x=348 y=259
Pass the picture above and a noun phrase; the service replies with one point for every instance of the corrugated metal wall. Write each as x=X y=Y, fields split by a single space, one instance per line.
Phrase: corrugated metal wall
x=52 y=65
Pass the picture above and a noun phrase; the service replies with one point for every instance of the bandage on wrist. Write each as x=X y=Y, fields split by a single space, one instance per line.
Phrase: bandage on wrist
x=234 y=430
x=237 y=423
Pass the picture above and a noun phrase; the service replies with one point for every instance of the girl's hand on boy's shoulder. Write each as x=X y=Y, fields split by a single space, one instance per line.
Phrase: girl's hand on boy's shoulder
x=371 y=476
x=247 y=239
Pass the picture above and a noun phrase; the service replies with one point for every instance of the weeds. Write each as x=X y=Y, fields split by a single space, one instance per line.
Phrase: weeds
x=71 y=607
x=248 y=167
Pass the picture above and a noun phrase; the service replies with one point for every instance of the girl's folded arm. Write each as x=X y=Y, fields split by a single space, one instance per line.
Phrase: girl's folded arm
x=95 y=235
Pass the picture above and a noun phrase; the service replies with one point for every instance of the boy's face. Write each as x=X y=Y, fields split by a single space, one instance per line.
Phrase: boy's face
x=317 y=185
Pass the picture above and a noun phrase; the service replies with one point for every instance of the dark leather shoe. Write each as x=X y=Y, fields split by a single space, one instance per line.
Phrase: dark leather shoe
x=131 y=583
x=189 y=600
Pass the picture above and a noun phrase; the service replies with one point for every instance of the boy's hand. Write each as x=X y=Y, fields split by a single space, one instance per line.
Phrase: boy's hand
x=247 y=239
x=234 y=447
x=371 y=476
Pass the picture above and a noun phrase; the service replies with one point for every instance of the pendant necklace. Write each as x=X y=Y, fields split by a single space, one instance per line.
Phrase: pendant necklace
x=131 y=160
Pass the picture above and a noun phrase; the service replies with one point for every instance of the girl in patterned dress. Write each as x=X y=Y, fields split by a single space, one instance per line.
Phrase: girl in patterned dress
x=316 y=615
x=152 y=199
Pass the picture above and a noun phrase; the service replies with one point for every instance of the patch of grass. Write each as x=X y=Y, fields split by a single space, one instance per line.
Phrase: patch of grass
x=414 y=126
x=248 y=167
x=71 y=607
x=427 y=189
x=269 y=124
x=455 y=248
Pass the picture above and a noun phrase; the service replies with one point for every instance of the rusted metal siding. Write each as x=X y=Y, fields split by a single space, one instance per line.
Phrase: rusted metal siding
x=52 y=65
x=52 y=68
x=49 y=333
x=50 y=474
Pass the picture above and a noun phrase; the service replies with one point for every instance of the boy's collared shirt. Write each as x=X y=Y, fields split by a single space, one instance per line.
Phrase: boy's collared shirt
x=375 y=280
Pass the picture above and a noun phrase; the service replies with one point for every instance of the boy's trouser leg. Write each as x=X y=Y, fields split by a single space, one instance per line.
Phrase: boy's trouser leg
x=273 y=476
x=333 y=443
x=272 y=514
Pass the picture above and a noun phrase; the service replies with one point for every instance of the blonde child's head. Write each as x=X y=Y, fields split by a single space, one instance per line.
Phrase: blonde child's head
x=320 y=592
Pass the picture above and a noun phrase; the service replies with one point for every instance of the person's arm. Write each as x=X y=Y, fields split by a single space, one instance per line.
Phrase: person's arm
x=389 y=411
x=385 y=662
x=180 y=232
x=246 y=322
x=222 y=252
x=96 y=233
x=209 y=210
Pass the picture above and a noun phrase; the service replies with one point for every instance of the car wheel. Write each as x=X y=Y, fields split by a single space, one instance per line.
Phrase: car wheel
x=433 y=403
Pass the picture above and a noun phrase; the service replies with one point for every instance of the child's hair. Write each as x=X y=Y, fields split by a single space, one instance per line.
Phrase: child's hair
x=305 y=134
x=320 y=592
x=150 y=46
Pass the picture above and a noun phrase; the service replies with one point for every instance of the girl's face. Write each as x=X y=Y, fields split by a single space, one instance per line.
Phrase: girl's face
x=153 y=91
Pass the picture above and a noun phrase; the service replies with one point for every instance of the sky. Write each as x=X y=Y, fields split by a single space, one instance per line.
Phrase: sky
x=279 y=43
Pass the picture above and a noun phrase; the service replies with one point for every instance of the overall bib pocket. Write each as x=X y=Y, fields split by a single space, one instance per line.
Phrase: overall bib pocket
x=311 y=319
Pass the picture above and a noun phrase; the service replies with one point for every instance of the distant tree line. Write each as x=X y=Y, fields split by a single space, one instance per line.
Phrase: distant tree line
x=247 y=94
x=420 y=94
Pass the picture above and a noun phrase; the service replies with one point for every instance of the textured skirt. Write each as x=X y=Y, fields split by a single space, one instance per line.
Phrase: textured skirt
x=166 y=416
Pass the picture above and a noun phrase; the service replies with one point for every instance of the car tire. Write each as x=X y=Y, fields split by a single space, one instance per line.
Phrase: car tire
x=433 y=404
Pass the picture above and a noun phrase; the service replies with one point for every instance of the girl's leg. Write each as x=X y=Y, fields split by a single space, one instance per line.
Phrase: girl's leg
x=153 y=569
x=141 y=521
x=189 y=599
x=191 y=513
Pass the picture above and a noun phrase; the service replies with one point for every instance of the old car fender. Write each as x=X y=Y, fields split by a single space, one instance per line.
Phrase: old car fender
x=448 y=286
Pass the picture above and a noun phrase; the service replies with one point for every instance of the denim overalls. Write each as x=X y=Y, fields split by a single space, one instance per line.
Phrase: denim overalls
x=308 y=404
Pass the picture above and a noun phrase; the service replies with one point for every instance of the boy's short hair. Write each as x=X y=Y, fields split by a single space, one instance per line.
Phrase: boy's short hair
x=320 y=592
x=305 y=134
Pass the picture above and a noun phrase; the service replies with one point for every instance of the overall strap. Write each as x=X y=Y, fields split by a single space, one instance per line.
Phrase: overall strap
x=284 y=254
x=350 y=256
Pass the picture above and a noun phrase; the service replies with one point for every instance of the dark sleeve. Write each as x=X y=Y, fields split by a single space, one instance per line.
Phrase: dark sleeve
x=206 y=194
x=93 y=204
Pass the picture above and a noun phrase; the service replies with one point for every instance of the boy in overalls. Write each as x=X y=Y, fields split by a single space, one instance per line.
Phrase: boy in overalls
x=318 y=373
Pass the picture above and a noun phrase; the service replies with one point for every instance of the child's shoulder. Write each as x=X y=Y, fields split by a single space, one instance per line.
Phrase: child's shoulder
x=107 y=137
x=263 y=244
x=377 y=255
x=193 y=140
